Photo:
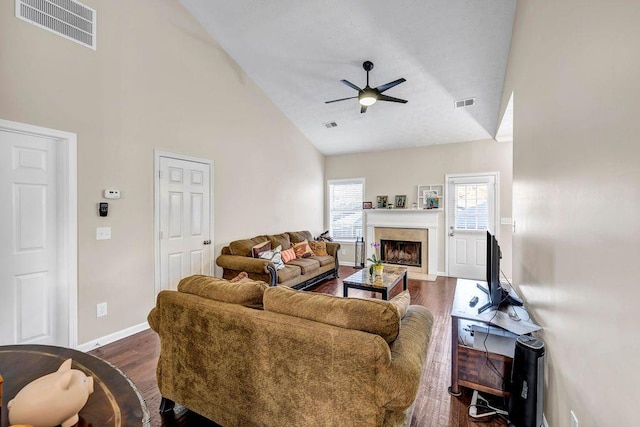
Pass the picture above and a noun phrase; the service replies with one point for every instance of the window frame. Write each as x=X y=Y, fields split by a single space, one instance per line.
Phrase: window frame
x=328 y=224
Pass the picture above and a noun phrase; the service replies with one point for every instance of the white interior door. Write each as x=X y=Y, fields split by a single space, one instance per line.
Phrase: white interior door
x=185 y=218
x=471 y=210
x=29 y=288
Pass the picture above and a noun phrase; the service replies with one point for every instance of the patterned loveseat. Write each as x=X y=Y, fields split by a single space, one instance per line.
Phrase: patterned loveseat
x=299 y=273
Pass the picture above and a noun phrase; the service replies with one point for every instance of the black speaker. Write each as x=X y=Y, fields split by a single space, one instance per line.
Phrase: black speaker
x=527 y=383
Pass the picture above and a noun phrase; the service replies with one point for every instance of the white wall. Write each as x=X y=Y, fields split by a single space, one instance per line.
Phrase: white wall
x=156 y=81
x=397 y=172
x=573 y=69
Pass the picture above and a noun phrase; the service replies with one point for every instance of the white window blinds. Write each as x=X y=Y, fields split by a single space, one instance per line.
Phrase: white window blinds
x=345 y=208
x=470 y=206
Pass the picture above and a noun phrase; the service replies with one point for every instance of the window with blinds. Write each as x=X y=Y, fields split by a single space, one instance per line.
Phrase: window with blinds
x=345 y=208
x=471 y=206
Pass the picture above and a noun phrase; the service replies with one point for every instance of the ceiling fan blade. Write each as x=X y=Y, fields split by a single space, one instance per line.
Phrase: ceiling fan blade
x=391 y=98
x=389 y=85
x=341 y=99
x=351 y=85
x=363 y=109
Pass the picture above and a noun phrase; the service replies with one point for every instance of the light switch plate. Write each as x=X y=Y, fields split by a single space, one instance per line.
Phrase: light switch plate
x=103 y=233
x=505 y=221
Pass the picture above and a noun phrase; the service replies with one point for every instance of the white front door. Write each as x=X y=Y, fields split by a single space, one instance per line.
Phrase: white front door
x=185 y=218
x=471 y=210
x=28 y=242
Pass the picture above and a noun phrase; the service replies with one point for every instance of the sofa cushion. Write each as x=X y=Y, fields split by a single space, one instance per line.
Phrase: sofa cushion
x=274 y=256
x=307 y=265
x=368 y=315
x=243 y=247
x=288 y=272
x=280 y=240
x=299 y=236
x=324 y=260
x=244 y=293
x=288 y=255
x=302 y=249
x=318 y=248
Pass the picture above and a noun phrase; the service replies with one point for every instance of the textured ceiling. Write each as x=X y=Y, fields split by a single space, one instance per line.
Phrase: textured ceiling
x=298 y=51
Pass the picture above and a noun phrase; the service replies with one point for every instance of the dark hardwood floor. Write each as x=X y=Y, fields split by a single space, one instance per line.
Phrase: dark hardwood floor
x=137 y=356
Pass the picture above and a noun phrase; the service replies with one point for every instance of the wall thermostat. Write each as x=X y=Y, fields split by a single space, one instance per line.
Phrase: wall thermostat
x=111 y=194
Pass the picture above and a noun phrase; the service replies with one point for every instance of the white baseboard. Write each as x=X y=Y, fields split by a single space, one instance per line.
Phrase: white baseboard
x=108 y=339
x=347 y=263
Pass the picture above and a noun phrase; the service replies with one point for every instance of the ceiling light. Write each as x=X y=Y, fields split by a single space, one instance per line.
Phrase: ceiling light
x=367 y=99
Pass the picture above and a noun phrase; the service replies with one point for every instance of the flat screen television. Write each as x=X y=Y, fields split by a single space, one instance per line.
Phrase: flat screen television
x=498 y=296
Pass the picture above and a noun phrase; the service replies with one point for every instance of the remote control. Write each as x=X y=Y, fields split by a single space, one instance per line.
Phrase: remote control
x=473 y=301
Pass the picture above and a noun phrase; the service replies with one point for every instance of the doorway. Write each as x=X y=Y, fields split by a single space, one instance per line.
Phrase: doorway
x=183 y=218
x=471 y=209
x=38 y=236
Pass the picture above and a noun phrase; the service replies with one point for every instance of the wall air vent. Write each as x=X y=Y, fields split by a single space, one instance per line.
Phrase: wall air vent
x=464 y=103
x=67 y=18
x=330 y=125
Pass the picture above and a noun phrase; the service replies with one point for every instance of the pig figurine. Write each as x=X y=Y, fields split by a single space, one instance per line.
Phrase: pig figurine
x=53 y=399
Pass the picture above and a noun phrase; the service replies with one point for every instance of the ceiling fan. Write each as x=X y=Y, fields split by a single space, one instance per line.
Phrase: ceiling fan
x=368 y=96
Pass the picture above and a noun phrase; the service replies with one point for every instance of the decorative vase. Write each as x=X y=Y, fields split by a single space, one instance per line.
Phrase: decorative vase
x=378 y=269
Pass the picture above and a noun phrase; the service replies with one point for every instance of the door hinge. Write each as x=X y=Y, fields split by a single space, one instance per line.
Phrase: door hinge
x=160 y=174
x=160 y=235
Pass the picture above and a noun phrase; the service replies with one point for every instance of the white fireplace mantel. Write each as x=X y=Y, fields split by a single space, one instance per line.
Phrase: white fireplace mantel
x=406 y=218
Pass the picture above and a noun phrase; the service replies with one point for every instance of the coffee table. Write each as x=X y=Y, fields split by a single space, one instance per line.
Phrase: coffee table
x=362 y=280
x=115 y=402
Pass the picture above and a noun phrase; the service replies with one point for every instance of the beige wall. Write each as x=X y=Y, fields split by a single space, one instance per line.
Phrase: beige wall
x=156 y=81
x=401 y=171
x=574 y=72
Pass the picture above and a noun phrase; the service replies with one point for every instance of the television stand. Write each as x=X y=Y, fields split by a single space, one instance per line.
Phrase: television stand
x=486 y=291
x=505 y=299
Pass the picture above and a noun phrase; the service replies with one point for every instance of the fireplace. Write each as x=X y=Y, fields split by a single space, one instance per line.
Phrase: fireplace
x=401 y=252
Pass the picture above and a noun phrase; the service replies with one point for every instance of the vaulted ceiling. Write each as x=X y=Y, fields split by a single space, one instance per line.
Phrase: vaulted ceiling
x=298 y=51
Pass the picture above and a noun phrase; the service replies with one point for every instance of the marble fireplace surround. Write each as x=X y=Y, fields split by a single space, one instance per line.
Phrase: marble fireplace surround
x=412 y=225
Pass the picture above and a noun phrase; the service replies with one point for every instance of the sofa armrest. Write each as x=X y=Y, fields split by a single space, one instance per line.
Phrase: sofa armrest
x=399 y=383
x=258 y=269
x=154 y=319
x=332 y=249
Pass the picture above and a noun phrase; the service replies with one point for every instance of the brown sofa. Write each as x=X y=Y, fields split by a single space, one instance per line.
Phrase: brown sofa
x=305 y=359
x=298 y=274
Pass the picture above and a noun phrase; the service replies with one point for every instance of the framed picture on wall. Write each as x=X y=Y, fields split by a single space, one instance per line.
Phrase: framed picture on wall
x=382 y=202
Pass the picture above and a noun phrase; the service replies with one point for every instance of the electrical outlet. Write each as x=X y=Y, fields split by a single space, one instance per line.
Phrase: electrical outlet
x=574 y=420
x=343 y=251
x=101 y=309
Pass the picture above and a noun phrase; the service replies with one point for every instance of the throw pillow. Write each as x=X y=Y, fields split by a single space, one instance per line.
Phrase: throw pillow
x=402 y=301
x=288 y=255
x=319 y=248
x=275 y=256
x=241 y=278
x=260 y=247
x=302 y=249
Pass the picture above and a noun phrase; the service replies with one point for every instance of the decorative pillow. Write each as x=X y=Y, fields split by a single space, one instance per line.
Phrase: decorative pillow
x=402 y=301
x=318 y=248
x=260 y=247
x=248 y=293
x=243 y=277
x=302 y=249
x=288 y=255
x=275 y=256
x=368 y=315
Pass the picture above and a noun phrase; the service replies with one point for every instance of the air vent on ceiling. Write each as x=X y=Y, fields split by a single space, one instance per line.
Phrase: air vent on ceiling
x=67 y=18
x=330 y=125
x=464 y=103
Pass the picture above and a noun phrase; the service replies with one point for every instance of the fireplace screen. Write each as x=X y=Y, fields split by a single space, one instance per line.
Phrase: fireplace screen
x=401 y=252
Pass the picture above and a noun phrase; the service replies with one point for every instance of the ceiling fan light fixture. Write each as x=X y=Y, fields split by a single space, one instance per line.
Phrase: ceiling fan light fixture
x=367 y=100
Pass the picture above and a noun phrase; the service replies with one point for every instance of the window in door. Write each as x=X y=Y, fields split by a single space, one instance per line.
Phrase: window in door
x=471 y=206
x=345 y=198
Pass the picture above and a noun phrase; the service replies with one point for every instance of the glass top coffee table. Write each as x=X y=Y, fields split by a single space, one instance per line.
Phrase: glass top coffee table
x=362 y=280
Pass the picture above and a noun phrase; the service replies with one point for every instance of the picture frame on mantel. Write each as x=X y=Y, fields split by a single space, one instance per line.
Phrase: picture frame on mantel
x=430 y=196
x=381 y=202
x=401 y=201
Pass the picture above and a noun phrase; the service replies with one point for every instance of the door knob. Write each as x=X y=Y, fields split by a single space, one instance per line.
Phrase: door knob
x=206 y=242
